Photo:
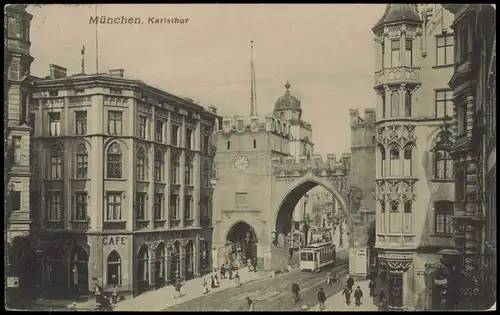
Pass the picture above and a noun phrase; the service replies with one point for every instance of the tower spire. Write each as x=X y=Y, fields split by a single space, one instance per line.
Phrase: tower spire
x=253 y=94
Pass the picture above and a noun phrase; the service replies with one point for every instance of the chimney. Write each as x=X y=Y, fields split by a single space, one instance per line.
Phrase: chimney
x=57 y=72
x=116 y=73
x=212 y=109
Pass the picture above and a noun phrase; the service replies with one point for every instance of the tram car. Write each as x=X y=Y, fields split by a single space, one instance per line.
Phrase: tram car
x=313 y=257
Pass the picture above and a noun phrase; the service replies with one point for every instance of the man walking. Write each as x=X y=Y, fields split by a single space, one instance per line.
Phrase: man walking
x=321 y=299
x=230 y=269
x=222 y=272
x=347 y=293
x=254 y=263
x=358 y=294
x=372 y=286
x=114 y=295
x=382 y=300
x=250 y=307
x=350 y=282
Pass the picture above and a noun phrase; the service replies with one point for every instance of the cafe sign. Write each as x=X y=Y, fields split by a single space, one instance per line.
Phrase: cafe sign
x=114 y=240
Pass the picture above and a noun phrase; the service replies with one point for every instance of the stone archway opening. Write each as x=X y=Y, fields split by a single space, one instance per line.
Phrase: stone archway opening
x=241 y=244
x=285 y=227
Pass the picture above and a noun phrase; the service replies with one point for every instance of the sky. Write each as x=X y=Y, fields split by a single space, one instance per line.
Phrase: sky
x=325 y=51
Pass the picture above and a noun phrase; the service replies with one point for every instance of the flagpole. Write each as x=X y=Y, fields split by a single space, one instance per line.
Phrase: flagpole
x=96 y=42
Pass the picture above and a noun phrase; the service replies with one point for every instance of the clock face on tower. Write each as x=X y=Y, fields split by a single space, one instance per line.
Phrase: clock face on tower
x=241 y=163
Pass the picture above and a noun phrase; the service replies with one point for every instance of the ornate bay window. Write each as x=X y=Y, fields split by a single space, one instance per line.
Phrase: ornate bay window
x=394 y=161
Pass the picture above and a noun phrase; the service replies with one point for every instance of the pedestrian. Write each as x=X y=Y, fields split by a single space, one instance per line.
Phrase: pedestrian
x=254 y=261
x=230 y=269
x=350 y=282
x=382 y=300
x=347 y=293
x=237 y=279
x=115 y=294
x=358 y=294
x=321 y=299
x=178 y=287
x=204 y=286
x=290 y=253
x=222 y=272
x=372 y=286
x=213 y=282
x=250 y=306
x=216 y=277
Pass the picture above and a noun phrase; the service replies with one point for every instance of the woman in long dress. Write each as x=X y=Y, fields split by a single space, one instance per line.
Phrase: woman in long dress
x=237 y=279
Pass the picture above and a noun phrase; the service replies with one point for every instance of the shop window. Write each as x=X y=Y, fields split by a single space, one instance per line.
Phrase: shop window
x=114 y=269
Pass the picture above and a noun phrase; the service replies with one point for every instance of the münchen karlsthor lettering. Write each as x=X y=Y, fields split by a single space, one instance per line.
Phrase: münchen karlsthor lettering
x=135 y=20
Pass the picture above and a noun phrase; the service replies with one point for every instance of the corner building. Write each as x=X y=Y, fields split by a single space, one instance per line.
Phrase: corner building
x=122 y=194
x=414 y=169
x=17 y=155
x=473 y=266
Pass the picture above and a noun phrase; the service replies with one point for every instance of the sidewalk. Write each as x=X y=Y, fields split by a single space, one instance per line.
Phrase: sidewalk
x=44 y=304
x=162 y=298
x=337 y=301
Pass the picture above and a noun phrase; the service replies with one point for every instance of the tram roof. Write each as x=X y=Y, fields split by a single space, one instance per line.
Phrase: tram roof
x=317 y=245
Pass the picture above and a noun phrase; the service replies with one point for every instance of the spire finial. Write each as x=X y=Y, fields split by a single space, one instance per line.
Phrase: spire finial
x=287 y=86
x=253 y=93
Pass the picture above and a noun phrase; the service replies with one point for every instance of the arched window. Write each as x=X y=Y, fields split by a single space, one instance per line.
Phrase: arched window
x=160 y=261
x=158 y=166
x=188 y=171
x=382 y=216
x=228 y=145
x=407 y=217
x=114 y=269
x=394 y=168
x=189 y=251
x=175 y=266
x=143 y=264
x=55 y=268
x=80 y=267
x=174 y=169
x=204 y=254
x=282 y=116
x=254 y=144
x=407 y=103
x=394 y=219
x=114 y=169
x=395 y=103
x=56 y=162
x=408 y=162
x=141 y=164
x=206 y=174
x=82 y=161
x=382 y=160
x=443 y=168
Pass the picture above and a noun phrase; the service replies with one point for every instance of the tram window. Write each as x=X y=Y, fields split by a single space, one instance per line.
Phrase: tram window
x=303 y=256
x=310 y=256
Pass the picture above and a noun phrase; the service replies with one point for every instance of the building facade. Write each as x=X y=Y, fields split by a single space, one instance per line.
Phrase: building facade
x=17 y=94
x=122 y=191
x=473 y=270
x=414 y=173
x=362 y=183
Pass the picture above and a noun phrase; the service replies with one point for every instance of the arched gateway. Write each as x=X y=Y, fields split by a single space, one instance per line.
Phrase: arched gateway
x=263 y=209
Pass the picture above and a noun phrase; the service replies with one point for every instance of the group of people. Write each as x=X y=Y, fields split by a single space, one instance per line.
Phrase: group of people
x=214 y=278
x=103 y=303
x=358 y=293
